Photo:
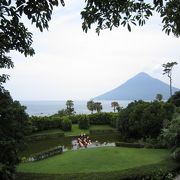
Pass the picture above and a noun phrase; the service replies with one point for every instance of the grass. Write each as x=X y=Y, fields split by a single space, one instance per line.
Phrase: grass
x=94 y=160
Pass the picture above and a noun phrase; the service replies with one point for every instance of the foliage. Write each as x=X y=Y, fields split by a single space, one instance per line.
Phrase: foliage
x=70 y=107
x=175 y=99
x=99 y=118
x=14 y=126
x=114 y=105
x=66 y=124
x=45 y=122
x=90 y=106
x=98 y=107
x=108 y=14
x=168 y=70
x=171 y=134
x=83 y=122
x=144 y=119
x=13 y=33
x=159 y=97
x=46 y=154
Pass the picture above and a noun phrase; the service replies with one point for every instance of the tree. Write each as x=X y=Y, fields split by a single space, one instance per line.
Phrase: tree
x=159 y=97
x=15 y=36
x=13 y=33
x=175 y=99
x=107 y=14
x=14 y=126
x=70 y=107
x=90 y=106
x=114 y=105
x=98 y=106
x=168 y=70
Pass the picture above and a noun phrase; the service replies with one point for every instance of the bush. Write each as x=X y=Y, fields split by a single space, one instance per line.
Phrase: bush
x=130 y=145
x=66 y=124
x=176 y=154
x=46 y=154
x=45 y=123
x=83 y=122
x=113 y=119
x=99 y=118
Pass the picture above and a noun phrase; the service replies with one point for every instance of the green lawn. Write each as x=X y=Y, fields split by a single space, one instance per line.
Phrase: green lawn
x=104 y=159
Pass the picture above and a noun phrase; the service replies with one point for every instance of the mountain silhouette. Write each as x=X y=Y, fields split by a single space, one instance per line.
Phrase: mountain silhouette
x=142 y=86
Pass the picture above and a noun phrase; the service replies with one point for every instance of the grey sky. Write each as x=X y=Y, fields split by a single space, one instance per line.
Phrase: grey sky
x=70 y=64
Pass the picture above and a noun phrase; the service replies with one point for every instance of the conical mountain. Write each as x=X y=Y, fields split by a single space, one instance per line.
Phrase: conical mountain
x=142 y=86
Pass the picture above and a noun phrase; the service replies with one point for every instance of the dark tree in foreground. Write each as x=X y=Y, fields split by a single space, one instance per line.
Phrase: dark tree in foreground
x=168 y=70
x=13 y=128
x=14 y=35
x=107 y=14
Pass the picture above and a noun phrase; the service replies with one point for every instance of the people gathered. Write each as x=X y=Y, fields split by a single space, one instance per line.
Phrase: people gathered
x=83 y=140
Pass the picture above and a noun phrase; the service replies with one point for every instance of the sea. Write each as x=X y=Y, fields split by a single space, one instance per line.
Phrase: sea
x=47 y=108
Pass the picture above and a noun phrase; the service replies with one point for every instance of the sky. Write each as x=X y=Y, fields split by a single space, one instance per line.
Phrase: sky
x=72 y=64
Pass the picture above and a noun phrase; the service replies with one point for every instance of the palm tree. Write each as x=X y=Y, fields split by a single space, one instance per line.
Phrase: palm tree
x=90 y=106
x=114 y=105
x=98 y=106
x=168 y=70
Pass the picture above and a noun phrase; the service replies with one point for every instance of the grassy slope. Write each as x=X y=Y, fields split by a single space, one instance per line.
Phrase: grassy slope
x=96 y=160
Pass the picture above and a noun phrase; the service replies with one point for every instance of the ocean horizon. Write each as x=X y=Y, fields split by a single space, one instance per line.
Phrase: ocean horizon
x=47 y=108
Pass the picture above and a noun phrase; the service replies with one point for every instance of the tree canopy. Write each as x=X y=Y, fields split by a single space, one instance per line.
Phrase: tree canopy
x=107 y=14
x=14 y=35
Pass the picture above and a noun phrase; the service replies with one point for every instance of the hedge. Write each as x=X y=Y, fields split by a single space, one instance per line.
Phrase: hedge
x=130 y=145
x=46 y=154
x=83 y=122
x=66 y=124
x=45 y=123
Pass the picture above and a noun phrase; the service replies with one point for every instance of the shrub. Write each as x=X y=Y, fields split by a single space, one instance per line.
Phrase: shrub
x=46 y=154
x=130 y=145
x=99 y=118
x=66 y=124
x=45 y=123
x=83 y=122
x=113 y=119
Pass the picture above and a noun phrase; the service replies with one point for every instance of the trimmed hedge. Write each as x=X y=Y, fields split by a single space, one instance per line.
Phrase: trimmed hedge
x=66 y=124
x=83 y=122
x=104 y=118
x=46 y=154
x=45 y=123
x=130 y=145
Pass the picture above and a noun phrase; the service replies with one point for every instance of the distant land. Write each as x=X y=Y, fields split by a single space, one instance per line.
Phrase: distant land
x=142 y=86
